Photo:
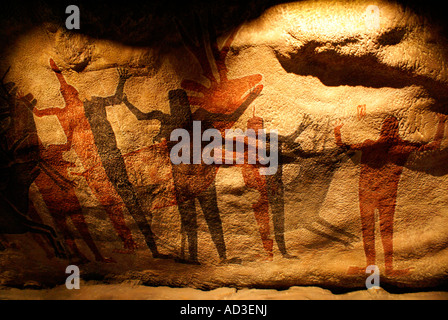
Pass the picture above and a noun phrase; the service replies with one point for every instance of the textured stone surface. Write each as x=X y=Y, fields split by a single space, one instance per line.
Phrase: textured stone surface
x=360 y=110
x=134 y=291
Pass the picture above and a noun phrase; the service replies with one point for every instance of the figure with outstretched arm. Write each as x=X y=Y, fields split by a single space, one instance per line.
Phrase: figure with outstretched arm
x=193 y=181
x=382 y=163
x=80 y=136
x=112 y=159
x=86 y=125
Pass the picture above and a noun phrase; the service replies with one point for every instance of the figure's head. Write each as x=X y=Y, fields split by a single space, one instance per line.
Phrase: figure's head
x=389 y=129
x=178 y=97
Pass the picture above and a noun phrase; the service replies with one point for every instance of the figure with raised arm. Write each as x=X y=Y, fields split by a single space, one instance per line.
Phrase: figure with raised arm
x=382 y=163
x=193 y=181
x=92 y=138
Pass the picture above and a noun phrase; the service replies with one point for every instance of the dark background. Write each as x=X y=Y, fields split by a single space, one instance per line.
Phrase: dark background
x=143 y=22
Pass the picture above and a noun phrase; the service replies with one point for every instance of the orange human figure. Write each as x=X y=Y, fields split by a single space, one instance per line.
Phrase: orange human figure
x=254 y=180
x=79 y=135
x=61 y=201
x=382 y=163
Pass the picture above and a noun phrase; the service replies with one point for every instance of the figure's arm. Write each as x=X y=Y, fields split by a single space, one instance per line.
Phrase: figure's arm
x=306 y=121
x=202 y=114
x=117 y=98
x=155 y=114
x=123 y=76
x=432 y=145
x=47 y=111
x=338 y=136
x=347 y=147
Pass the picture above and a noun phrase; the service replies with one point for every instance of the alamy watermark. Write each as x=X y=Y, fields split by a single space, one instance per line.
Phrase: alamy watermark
x=373 y=281
x=238 y=147
x=73 y=280
x=73 y=20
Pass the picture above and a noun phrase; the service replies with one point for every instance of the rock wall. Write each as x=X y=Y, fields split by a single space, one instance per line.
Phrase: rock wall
x=356 y=91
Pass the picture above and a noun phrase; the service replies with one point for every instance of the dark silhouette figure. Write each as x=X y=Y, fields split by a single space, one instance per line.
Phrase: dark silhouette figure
x=112 y=160
x=19 y=167
x=312 y=180
x=382 y=163
x=193 y=181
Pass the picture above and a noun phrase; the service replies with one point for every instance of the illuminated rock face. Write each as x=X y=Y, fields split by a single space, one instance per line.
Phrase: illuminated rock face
x=356 y=92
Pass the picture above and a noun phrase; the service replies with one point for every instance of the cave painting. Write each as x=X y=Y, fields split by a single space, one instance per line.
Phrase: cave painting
x=315 y=173
x=382 y=163
x=269 y=187
x=92 y=138
x=19 y=166
x=58 y=193
x=220 y=107
x=223 y=95
x=220 y=104
x=193 y=181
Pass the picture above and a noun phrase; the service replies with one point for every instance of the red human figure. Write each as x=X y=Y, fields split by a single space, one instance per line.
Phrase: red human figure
x=382 y=163
x=61 y=201
x=79 y=135
x=254 y=180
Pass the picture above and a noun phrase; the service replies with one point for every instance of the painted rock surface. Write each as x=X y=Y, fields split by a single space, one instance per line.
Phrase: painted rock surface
x=351 y=100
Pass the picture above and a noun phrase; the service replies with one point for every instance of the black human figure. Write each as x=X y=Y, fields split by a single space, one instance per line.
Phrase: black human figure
x=19 y=167
x=316 y=173
x=112 y=160
x=194 y=181
x=276 y=188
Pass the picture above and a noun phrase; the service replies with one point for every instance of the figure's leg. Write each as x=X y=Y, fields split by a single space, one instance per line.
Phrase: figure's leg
x=63 y=203
x=276 y=201
x=81 y=225
x=115 y=212
x=367 y=205
x=111 y=202
x=261 y=214
x=323 y=234
x=60 y=221
x=367 y=210
x=386 y=215
x=209 y=205
x=336 y=229
x=37 y=228
x=187 y=211
x=253 y=179
x=32 y=213
x=116 y=172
